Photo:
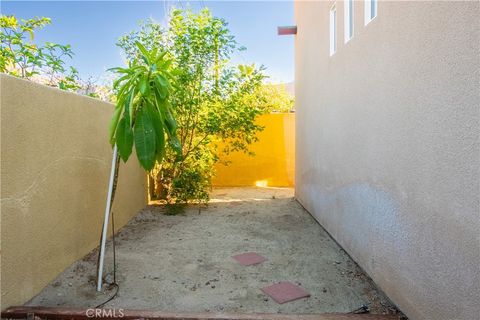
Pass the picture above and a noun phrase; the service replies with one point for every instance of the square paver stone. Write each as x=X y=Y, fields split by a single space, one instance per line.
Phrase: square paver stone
x=249 y=258
x=285 y=292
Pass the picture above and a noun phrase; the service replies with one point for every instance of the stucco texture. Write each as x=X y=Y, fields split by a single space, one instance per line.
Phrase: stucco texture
x=273 y=163
x=388 y=147
x=55 y=164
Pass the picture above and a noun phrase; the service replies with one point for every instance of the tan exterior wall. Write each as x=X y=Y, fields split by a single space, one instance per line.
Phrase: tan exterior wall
x=388 y=147
x=55 y=164
x=273 y=164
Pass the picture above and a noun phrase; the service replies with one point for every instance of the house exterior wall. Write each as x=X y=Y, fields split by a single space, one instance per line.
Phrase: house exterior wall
x=387 y=145
x=274 y=162
x=54 y=176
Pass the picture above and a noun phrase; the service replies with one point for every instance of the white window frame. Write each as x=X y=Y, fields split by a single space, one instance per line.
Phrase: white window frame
x=348 y=6
x=371 y=10
x=333 y=29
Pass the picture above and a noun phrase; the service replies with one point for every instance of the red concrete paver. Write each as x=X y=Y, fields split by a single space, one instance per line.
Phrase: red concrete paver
x=249 y=258
x=285 y=292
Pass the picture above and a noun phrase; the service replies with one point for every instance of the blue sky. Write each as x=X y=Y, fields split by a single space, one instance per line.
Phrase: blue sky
x=92 y=28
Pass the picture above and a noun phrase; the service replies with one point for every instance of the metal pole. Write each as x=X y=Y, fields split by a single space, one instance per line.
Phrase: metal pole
x=105 y=221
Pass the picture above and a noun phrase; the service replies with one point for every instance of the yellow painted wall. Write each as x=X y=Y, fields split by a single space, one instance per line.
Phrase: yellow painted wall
x=55 y=164
x=274 y=162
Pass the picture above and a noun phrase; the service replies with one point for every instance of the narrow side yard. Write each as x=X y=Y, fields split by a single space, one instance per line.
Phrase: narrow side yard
x=184 y=263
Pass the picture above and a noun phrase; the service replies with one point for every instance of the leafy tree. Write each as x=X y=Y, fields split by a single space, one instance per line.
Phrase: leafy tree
x=211 y=99
x=20 y=57
x=273 y=98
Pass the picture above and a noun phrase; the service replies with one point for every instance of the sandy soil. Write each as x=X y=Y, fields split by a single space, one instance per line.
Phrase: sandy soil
x=183 y=262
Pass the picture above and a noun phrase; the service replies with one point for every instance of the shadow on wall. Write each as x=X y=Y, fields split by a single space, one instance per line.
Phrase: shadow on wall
x=360 y=207
x=368 y=222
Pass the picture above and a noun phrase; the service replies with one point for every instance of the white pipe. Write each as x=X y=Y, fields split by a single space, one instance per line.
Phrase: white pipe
x=105 y=220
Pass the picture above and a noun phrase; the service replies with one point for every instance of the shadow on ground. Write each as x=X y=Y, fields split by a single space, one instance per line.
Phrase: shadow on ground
x=183 y=262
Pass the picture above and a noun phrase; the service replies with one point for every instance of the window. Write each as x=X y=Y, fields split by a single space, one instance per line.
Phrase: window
x=333 y=30
x=348 y=9
x=370 y=10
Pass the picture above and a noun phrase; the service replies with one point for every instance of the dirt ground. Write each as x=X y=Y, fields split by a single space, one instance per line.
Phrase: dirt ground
x=183 y=262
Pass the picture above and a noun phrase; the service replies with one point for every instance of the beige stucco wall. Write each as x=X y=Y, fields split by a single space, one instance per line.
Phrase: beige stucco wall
x=55 y=164
x=388 y=147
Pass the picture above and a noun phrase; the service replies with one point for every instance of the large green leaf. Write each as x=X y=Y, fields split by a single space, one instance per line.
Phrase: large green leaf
x=131 y=106
x=144 y=53
x=144 y=136
x=159 y=58
x=112 y=128
x=144 y=86
x=120 y=80
x=163 y=82
x=170 y=121
x=124 y=137
x=125 y=90
x=176 y=145
x=159 y=131
x=160 y=89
